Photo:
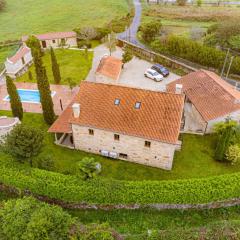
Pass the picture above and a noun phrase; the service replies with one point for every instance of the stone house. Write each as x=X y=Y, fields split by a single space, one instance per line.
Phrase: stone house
x=109 y=70
x=19 y=63
x=124 y=123
x=56 y=39
x=209 y=100
x=6 y=125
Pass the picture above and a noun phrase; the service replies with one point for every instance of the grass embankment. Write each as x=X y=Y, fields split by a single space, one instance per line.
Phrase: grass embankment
x=38 y=16
x=73 y=64
x=195 y=160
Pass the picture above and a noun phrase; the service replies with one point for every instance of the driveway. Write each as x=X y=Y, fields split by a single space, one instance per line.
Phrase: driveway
x=133 y=76
x=133 y=72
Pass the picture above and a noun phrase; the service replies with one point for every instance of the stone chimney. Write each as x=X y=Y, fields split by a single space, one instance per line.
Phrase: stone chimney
x=76 y=110
x=179 y=89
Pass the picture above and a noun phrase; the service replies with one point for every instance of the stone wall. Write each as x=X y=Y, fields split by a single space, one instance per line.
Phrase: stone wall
x=158 y=155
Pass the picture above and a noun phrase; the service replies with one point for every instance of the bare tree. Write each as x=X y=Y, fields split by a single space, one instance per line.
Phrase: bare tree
x=111 y=42
x=87 y=34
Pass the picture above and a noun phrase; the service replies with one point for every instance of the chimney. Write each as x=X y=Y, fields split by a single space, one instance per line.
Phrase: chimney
x=76 y=110
x=179 y=88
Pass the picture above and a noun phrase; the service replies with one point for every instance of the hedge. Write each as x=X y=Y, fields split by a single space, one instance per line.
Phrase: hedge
x=106 y=191
x=195 y=52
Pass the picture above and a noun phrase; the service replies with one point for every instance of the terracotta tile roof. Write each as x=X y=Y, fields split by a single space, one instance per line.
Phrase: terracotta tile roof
x=159 y=116
x=110 y=67
x=51 y=36
x=23 y=50
x=212 y=96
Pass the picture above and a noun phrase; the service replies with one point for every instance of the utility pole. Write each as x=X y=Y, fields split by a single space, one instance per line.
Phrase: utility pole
x=225 y=62
x=230 y=64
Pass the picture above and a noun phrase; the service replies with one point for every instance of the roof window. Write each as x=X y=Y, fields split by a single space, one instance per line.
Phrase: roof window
x=117 y=101
x=137 y=105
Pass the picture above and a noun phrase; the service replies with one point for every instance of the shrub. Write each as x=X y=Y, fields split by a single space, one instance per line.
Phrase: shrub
x=195 y=52
x=108 y=191
x=233 y=154
x=44 y=162
x=181 y=2
x=24 y=142
x=30 y=76
x=199 y=3
x=149 y=31
x=2 y=4
x=127 y=56
x=88 y=168
x=28 y=219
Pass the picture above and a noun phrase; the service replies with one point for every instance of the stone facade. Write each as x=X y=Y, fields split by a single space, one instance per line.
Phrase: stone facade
x=56 y=43
x=129 y=148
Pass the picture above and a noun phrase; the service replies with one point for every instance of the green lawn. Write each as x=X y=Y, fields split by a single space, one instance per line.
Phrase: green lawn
x=73 y=64
x=193 y=161
x=40 y=16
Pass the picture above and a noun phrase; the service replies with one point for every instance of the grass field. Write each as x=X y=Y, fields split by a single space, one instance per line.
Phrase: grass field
x=73 y=64
x=193 y=161
x=40 y=16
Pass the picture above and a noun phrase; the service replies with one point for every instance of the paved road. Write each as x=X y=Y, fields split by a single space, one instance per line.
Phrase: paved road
x=130 y=34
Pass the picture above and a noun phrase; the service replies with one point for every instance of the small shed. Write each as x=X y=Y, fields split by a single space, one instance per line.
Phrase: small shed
x=109 y=70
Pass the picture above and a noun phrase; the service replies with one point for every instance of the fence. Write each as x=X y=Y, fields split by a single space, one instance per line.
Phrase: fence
x=156 y=57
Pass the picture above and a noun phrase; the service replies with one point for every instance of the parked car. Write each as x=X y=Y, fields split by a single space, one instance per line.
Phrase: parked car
x=150 y=73
x=160 y=69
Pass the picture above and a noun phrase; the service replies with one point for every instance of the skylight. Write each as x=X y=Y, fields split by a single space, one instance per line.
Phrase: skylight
x=117 y=101
x=137 y=105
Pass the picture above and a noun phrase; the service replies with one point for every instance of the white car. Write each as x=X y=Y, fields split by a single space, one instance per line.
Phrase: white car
x=150 y=73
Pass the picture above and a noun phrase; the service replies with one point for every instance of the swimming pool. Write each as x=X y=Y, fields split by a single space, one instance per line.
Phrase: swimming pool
x=28 y=96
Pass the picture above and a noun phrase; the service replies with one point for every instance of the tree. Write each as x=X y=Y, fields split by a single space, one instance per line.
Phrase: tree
x=55 y=67
x=71 y=83
x=111 y=42
x=29 y=219
x=44 y=89
x=86 y=34
x=30 y=76
x=15 y=101
x=149 y=31
x=233 y=154
x=199 y=3
x=226 y=136
x=24 y=142
x=88 y=168
x=126 y=57
x=2 y=4
x=35 y=45
x=181 y=2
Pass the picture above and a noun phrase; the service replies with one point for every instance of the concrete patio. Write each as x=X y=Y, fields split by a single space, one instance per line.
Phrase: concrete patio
x=63 y=94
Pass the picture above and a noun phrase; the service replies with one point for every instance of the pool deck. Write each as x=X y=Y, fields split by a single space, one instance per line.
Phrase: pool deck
x=63 y=93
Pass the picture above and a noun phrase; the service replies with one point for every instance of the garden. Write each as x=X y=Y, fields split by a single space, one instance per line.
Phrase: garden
x=73 y=64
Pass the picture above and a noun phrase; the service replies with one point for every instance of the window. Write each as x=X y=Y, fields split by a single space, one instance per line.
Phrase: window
x=117 y=101
x=123 y=155
x=137 y=105
x=116 y=137
x=147 y=144
x=23 y=60
x=54 y=41
x=90 y=131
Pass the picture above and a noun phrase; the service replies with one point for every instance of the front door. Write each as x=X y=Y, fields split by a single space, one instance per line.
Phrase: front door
x=44 y=44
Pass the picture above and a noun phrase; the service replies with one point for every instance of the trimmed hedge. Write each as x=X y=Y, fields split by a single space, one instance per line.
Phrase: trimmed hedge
x=195 y=52
x=105 y=191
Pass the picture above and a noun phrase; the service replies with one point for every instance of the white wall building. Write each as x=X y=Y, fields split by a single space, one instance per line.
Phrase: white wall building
x=56 y=39
x=19 y=63
x=6 y=125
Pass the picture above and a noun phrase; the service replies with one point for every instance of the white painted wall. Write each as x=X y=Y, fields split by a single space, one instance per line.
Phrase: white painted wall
x=56 y=43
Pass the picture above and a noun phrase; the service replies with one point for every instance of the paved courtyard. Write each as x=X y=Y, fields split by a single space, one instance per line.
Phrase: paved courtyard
x=63 y=93
x=133 y=73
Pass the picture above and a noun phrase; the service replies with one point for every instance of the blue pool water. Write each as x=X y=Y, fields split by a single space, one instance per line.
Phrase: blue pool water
x=28 y=96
